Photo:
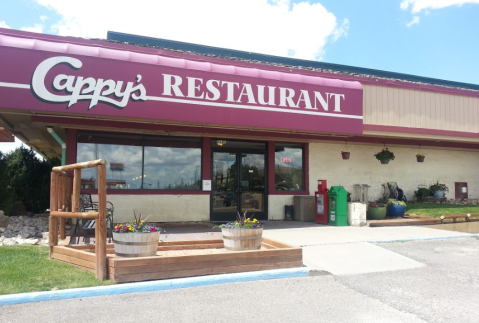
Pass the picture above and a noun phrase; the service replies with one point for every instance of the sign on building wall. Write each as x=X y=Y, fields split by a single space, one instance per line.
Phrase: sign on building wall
x=78 y=79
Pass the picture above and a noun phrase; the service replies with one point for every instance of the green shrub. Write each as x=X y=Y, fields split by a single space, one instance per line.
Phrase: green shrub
x=422 y=193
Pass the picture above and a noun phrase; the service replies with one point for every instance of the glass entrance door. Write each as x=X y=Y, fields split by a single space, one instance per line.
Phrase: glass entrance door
x=238 y=185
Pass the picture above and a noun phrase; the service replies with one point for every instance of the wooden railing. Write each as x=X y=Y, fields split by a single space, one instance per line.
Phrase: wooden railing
x=60 y=192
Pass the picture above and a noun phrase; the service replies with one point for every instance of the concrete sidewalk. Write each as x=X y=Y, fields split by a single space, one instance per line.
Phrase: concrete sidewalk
x=352 y=250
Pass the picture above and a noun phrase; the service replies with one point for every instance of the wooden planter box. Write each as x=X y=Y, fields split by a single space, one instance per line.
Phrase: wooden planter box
x=184 y=259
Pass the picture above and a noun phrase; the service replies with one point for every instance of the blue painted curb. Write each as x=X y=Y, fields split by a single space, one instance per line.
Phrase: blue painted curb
x=469 y=235
x=151 y=286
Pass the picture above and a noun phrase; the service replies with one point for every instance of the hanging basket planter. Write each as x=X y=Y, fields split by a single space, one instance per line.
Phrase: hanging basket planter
x=420 y=158
x=384 y=156
x=346 y=153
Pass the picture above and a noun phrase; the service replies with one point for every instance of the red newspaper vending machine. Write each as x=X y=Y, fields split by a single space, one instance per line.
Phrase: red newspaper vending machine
x=322 y=202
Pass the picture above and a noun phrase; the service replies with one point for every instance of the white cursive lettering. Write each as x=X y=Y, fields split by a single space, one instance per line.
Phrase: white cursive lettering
x=81 y=88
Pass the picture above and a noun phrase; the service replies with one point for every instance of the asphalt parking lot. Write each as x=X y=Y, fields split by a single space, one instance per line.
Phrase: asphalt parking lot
x=444 y=289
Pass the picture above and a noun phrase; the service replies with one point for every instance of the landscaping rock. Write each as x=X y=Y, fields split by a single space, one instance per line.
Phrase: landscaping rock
x=31 y=241
x=4 y=220
x=25 y=230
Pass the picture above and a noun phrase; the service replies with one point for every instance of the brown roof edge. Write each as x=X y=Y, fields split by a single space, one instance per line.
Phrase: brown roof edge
x=6 y=136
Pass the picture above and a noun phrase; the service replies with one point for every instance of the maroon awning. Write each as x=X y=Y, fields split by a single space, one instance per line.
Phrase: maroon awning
x=57 y=75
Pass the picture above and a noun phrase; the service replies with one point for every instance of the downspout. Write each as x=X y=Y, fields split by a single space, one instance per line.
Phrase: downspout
x=60 y=141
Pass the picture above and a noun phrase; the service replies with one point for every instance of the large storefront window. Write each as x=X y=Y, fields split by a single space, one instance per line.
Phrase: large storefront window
x=141 y=162
x=288 y=167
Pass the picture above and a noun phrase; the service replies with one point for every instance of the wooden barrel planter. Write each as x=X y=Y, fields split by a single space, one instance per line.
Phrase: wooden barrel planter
x=142 y=244
x=240 y=239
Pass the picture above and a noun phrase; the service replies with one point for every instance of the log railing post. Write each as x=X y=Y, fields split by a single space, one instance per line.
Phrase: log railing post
x=53 y=223
x=61 y=203
x=69 y=196
x=76 y=190
x=100 y=226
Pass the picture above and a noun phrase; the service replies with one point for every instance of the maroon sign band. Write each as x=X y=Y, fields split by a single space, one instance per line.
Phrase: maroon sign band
x=41 y=75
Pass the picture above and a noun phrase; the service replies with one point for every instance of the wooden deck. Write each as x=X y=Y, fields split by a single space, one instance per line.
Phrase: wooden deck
x=175 y=259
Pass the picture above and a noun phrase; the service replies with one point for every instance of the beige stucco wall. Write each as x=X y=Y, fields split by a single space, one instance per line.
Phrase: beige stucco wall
x=389 y=106
x=276 y=206
x=163 y=208
x=179 y=208
x=447 y=166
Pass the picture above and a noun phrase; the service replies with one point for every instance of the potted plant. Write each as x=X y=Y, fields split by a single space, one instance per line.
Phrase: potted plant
x=396 y=208
x=438 y=189
x=385 y=155
x=345 y=154
x=243 y=234
x=136 y=239
x=420 y=158
x=376 y=211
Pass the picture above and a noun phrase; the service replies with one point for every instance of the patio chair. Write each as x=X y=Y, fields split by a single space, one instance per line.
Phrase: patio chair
x=88 y=226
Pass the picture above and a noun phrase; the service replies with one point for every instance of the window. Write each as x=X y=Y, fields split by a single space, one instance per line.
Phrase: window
x=172 y=163
x=141 y=162
x=288 y=167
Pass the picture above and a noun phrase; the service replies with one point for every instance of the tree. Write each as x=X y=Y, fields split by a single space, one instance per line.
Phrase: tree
x=5 y=195
x=26 y=178
x=22 y=166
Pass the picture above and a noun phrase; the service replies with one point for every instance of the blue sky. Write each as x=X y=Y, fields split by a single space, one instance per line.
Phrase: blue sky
x=432 y=38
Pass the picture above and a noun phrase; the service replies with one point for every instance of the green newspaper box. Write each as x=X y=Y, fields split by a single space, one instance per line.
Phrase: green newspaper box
x=338 y=206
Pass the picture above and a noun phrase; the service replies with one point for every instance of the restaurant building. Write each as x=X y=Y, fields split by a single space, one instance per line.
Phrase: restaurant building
x=195 y=133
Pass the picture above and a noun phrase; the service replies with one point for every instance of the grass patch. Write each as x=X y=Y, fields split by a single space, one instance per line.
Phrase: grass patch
x=29 y=269
x=436 y=210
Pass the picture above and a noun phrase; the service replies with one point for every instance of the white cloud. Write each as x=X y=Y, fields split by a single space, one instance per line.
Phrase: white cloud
x=3 y=24
x=43 y=18
x=8 y=147
x=415 y=20
x=34 y=29
x=275 y=27
x=420 y=5
x=342 y=30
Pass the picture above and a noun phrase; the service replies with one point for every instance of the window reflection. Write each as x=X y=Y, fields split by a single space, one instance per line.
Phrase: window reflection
x=141 y=162
x=288 y=167
x=172 y=168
